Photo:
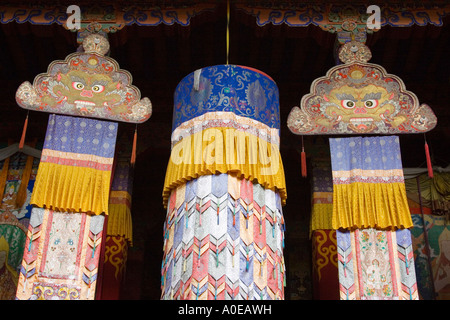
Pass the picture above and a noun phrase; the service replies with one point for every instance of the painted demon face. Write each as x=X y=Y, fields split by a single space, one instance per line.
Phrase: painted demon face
x=87 y=91
x=362 y=107
x=359 y=97
x=86 y=83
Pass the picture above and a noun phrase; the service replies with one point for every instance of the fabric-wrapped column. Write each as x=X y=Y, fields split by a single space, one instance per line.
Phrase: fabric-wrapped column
x=371 y=215
x=119 y=231
x=71 y=195
x=72 y=189
x=323 y=236
x=224 y=188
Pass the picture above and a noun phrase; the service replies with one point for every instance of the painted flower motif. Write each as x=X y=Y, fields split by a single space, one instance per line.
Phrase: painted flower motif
x=141 y=109
x=364 y=236
x=370 y=291
x=381 y=237
x=387 y=291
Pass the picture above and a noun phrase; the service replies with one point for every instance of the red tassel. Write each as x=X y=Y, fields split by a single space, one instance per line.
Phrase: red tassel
x=303 y=155
x=429 y=166
x=303 y=160
x=133 y=152
x=24 y=131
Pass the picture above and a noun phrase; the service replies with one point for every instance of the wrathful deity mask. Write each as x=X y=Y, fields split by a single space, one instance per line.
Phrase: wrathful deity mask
x=86 y=84
x=363 y=109
x=359 y=97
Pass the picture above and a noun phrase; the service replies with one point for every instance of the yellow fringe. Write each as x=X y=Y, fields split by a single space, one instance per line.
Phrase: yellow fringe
x=370 y=205
x=225 y=150
x=120 y=222
x=321 y=216
x=119 y=219
x=71 y=189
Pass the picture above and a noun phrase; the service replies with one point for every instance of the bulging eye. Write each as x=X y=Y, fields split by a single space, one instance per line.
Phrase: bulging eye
x=77 y=85
x=98 y=88
x=371 y=103
x=348 y=104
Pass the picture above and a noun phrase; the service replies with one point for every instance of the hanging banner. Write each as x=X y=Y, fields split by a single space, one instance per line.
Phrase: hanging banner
x=368 y=184
x=76 y=163
x=323 y=237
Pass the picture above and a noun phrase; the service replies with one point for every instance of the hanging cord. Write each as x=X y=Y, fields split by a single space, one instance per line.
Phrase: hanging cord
x=24 y=131
x=427 y=154
x=303 y=160
x=228 y=29
x=133 y=151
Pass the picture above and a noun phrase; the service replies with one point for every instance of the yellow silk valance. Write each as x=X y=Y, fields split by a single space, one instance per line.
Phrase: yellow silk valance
x=119 y=218
x=370 y=205
x=321 y=217
x=225 y=150
x=71 y=188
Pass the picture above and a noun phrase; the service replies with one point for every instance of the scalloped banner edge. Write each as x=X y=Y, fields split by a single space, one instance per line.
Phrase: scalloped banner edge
x=29 y=96
x=301 y=122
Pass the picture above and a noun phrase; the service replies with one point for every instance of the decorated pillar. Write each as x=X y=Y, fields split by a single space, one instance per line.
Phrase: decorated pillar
x=372 y=217
x=224 y=189
x=119 y=231
x=370 y=209
x=85 y=94
x=323 y=236
x=16 y=184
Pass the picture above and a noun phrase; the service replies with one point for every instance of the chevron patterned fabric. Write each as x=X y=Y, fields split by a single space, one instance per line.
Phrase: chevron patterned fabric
x=224 y=239
x=61 y=256
x=15 y=217
x=224 y=189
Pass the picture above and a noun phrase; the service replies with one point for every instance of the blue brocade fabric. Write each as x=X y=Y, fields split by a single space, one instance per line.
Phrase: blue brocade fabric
x=244 y=91
x=365 y=153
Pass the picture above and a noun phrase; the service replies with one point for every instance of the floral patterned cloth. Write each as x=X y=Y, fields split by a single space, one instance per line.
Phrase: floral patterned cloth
x=245 y=91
